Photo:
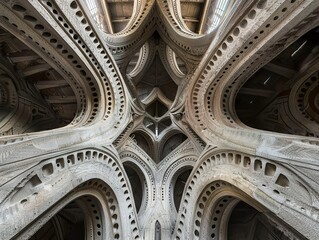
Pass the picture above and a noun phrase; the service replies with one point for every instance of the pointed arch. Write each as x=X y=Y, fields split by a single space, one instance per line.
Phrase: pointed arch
x=171 y=141
x=138 y=184
x=54 y=182
x=144 y=141
x=268 y=184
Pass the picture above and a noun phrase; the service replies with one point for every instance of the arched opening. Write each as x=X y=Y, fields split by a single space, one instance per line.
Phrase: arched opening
x=143 y=141
x=283 y=95
x=172 y=143
x=79 y=220
x=67 y=224
x=33 y=95
x=246 y=222
x=179 y=186
x=233 y=219
x=136 y=180
x=225 y=212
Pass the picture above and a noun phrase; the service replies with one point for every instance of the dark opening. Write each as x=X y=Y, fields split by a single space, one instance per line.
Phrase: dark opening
x=67 y=224
x=136 y=185
x=179 y=187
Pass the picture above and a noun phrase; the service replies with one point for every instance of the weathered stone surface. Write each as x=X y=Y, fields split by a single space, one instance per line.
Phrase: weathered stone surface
x=159 y=119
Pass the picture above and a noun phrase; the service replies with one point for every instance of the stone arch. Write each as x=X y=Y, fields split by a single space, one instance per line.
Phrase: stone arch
x=178 y=167
x=48 y=103
x=144 y=140
x=139 y=61
x=174 y=65
x=214 y=214
x=179 y=184
x=138 y=184
x=95 y=209
x=96 y=85
x=290 y=80
x=268 y=183
x=171 y=140
x=253 y=224
x=146 y=173
x=52 y=180
x=223 y=71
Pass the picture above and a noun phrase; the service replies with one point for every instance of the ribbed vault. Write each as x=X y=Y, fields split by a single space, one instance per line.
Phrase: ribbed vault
x=159 y=119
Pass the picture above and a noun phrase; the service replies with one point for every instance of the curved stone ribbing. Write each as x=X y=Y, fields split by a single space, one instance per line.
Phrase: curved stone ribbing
x=44 y=185
x=156 y=102
x=267 y=183
x=221 y=74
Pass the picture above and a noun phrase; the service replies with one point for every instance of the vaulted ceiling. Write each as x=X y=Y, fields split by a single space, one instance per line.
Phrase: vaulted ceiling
x=157 y=66
x=156 y=92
